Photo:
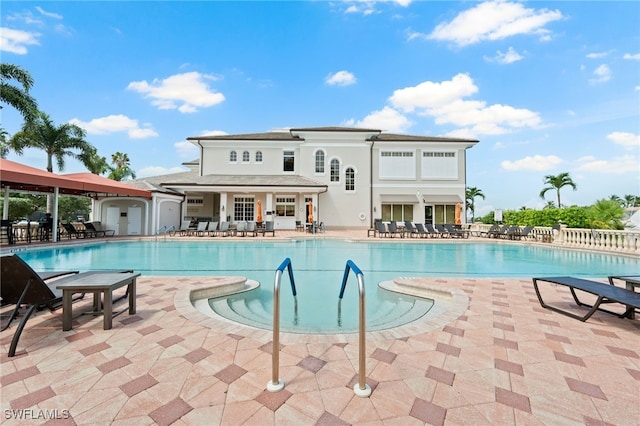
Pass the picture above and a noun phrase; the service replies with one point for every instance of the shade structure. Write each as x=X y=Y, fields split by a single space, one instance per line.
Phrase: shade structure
x=259 y=212
x=99 y=185
x=458 y=213
x=20 y=177
x=310 y=217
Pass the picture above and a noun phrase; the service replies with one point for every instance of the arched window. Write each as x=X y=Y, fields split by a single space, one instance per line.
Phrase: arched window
x=349 y=179
x=319 y=161
x=233 y=156
x=246 y=157
x=335 y=170
x=258 y=156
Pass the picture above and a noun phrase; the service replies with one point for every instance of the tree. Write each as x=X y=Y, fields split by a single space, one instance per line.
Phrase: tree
x=59 y=142
x=631 y=201
x=122 y=167
x=606 y=214
x=4 y=144
x=557 y=182
x=93 y=162
x=17 y=96
x=617 y=199
x=471 y=194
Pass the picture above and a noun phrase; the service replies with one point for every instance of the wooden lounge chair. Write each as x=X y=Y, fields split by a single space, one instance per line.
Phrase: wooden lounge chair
x=605 y=293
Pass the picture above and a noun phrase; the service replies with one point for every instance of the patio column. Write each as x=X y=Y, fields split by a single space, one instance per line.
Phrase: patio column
x=54 y=228
x=5 y=204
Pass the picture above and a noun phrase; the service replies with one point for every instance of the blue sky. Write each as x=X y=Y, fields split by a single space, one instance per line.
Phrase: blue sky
x=546 y=87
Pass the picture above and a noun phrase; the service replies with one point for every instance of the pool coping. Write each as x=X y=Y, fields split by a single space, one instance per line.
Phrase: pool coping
x=449 y=305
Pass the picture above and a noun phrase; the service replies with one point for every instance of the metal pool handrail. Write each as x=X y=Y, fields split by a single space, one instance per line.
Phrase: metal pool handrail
x=361 y=388
x=276 y=384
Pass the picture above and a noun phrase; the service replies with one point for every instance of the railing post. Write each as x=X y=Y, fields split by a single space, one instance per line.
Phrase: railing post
x=361 y=389
x=275 y=384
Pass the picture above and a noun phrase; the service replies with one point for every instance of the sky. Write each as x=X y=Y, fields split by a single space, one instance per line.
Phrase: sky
x=546 y=87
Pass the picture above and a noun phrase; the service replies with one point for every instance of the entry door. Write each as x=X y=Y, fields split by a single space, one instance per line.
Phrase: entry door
x=113 y=219
x=134 y=220
x=428 y=215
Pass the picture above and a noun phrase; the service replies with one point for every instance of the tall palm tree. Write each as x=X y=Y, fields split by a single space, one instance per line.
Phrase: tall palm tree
x=93 y=162
x=631 y=200
x=471 y=194
x=4 y=144
x=122 y=167
x=557 y=182
x=17 y=95
x=59 y=142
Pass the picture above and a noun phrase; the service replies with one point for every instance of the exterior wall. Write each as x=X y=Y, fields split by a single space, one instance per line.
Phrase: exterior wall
x=216 y=157
x=417 y=191
x=123 y=205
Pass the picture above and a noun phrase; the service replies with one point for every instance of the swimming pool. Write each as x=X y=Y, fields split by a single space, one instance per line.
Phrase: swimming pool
x=318 y=269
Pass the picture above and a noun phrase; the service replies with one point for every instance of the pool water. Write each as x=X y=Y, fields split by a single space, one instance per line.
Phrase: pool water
x=318 y=267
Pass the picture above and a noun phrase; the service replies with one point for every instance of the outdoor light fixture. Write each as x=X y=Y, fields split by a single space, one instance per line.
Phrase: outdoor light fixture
x=222 y=208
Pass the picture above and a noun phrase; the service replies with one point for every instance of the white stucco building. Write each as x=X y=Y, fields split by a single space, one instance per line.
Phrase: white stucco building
x=342 y=177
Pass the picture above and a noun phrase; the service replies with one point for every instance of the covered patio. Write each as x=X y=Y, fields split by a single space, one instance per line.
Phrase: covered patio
x=16 y=177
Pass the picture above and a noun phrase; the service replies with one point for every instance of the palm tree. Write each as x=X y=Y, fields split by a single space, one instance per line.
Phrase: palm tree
x=93 y=162
x=471 y=194
x=4 y=145
x=557 y=182
x=122 y=167
x=17 y=96
x=631 y=200
x=614 y=197
x=59 y=142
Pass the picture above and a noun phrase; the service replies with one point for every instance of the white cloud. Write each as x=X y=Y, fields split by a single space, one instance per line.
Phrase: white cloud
x=48 y=14
x=16 y=41
x=387 y=119
x=443 y=101
x=494 y=21
x=602 y=74
x=619 y=165
x=214 y=133
x=186 y=149
x=634 y=56
x=597 y=55
x=185 y=92
x=368 y=7
x=533 y=163
x=627 y=140
x=114 y=124
x=506 y=58
x=340 y=78
x=157 y=171
x=430 y=94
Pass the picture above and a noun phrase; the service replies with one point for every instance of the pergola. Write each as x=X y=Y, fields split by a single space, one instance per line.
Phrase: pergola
x=22 y=178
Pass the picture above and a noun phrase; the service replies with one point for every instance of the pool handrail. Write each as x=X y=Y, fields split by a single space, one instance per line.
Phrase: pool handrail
x=361 y=388
x=275 y=384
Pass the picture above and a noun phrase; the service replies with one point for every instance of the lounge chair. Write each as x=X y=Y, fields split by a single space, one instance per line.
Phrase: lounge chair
x=251 y=229
x=525 y=232
x=21 y=285
x=512 y=233
x=382 y=229
x=432 y=231
x=268 y=228
x=410 y=229
x=223 y=229
x=393 y=230
x=452 y=231
x=605 y=293
x=494 y=228
x=200 y=229
x=442 y=230
x=420 y=231
x=498 y=232
x=78 y=233
x=212 y=229
x=241 y=229
x=184 y=228
x=99 y=232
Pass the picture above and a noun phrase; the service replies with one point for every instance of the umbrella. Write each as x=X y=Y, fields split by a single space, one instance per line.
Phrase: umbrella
x=310 y=218
x=259 y=213
x=458 y=211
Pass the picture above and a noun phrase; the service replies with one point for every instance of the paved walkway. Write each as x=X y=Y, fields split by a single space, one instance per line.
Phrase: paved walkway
x=504 y=361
